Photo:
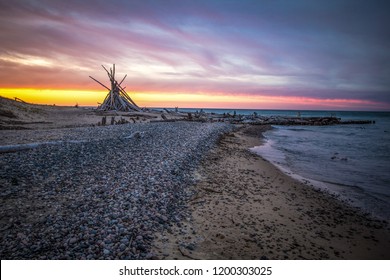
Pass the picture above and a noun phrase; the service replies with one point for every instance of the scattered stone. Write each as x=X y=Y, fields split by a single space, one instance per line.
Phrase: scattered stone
x=99 y=194
x=72 y=240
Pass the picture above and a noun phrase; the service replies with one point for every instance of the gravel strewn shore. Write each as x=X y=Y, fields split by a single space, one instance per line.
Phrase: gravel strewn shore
x=101 y=198
x=91 y=133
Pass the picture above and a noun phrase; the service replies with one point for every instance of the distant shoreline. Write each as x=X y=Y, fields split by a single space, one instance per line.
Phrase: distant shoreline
x=21 y=115
x=210 y=109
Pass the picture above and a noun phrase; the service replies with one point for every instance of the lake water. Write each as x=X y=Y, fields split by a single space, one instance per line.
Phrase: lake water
x=352 y=161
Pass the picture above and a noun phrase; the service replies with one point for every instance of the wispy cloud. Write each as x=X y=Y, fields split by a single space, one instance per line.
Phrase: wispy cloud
x=312 y=49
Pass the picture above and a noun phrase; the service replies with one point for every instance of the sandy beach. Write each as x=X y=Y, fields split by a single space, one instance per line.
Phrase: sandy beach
x=16 y=115
x=245 y=208
x=165 y=190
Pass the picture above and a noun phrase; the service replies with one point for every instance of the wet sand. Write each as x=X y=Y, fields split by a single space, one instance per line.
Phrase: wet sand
x=245 y=208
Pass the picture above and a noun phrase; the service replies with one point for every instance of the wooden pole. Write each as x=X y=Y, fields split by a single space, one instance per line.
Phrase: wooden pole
x=128 y=97
x=99 y=82
x=123 y=79
x=108 y=73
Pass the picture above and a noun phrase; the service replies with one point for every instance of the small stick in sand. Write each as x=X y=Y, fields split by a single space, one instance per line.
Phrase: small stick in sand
x=185 y=255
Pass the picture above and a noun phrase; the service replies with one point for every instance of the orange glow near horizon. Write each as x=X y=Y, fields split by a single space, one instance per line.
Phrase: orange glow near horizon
x=54 y=96
x=182 y=100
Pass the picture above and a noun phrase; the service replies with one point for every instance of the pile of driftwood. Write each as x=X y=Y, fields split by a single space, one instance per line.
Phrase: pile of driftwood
x=117 y=98
x=318 y=121
x=256 y=119
x=113 y=121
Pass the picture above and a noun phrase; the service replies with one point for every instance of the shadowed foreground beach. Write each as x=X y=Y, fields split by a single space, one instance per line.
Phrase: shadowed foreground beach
x=161 y=190
x=245 y=208
x=96 y=192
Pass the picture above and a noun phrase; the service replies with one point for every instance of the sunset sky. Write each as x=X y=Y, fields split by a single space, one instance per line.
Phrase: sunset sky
x=264 y=54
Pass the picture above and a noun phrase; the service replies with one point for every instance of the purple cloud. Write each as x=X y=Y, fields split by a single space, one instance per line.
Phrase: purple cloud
x=332 y=49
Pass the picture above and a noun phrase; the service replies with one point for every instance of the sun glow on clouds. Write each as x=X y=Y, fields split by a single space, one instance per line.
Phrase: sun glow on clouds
x=239 y=54
x=185 y=100
x=55 y=96
x=27 y=60
x=204 y=100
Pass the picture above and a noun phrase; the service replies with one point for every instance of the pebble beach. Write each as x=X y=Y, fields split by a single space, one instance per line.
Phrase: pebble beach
x=161 y=187
x=98 y=192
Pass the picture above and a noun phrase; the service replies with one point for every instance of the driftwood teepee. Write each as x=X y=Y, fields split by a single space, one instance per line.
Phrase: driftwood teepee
x=117 y=98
